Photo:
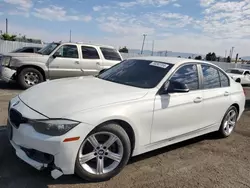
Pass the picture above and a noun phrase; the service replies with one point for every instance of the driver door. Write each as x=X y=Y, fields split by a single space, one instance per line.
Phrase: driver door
x=65 y=63
x=176 y=114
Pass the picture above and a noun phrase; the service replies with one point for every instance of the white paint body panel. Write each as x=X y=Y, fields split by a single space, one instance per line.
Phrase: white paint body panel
x=157 y=121
x=245 y=79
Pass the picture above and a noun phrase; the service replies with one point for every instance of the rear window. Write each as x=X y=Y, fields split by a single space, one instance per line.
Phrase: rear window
x=110 y=54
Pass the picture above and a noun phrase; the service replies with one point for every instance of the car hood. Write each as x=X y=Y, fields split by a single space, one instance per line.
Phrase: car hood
x=62 y=97
x=16 y=54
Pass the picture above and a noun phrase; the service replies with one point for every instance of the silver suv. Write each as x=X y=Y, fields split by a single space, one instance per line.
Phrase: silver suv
x=57 y=60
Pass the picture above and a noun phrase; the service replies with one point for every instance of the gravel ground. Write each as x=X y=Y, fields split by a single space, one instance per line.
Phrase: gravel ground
x=205 y=161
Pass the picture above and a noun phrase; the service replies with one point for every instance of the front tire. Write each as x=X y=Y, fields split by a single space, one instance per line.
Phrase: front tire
x=103 y=154
x=229 y=122
x=29 y=77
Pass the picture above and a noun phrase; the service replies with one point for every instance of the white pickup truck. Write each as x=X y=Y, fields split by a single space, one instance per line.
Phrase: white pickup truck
x=239 y=75
x=57 y=60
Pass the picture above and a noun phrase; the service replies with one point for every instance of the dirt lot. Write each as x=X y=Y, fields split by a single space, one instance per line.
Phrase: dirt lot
x=206 y=161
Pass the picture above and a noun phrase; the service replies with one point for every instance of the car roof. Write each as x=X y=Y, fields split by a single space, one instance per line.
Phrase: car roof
x=89 y=44
x=170 y=60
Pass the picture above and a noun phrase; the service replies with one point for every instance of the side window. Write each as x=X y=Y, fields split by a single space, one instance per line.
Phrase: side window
x=188 y=75
x=89 y=53
x=223 y=79
x=211 y=77
x=110 y=54
x=68 y=51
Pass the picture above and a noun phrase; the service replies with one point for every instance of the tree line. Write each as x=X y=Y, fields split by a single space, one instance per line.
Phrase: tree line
x=212 y=57
x=10 y=37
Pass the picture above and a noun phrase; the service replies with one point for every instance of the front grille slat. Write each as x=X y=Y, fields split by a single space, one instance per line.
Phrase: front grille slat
x=16 y=118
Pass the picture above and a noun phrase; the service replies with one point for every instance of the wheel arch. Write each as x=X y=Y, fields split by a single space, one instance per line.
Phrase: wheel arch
x=32 y=66
x=236 y=106
x=126 y=126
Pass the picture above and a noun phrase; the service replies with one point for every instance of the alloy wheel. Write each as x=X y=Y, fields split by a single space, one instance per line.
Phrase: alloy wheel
x=31 y=78
x=101 y=153
x=230 y=122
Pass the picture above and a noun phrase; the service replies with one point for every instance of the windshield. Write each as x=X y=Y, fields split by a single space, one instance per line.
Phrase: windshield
x=235 y=71
x=137 y=73
x=17 y=50
x=48 y=49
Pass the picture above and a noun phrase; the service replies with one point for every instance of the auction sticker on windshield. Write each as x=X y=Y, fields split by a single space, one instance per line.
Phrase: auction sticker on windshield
x=158 y=64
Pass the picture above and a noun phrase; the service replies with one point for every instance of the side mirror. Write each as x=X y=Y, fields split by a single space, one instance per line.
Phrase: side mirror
x=56 y=54
x=237 y=80
x=174 y=87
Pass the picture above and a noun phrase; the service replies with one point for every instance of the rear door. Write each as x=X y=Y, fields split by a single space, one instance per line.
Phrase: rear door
x=110 y=57
x=216 y=94
x=91 y=61
x=66 y=64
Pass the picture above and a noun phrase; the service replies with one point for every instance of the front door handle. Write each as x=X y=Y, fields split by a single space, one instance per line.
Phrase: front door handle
x=226 y=93
x=76 y=62
x=197 y=100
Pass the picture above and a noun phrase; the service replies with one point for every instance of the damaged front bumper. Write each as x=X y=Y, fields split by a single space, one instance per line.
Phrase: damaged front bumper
x=39 y=150
x=37 y=159
x=7 y=74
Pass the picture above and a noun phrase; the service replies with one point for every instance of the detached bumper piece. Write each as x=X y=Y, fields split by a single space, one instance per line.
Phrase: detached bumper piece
x=37 y=159
x=39 y=156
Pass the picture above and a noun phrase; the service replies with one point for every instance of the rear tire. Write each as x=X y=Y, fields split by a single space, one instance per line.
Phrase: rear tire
x=95 y=150
x=29 y=77
x=229 y=122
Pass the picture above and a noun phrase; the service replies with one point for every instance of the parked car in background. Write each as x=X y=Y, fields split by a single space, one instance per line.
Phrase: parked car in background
x=239 y=75
x=27 y=49
x=91 y=126
x=58 y=60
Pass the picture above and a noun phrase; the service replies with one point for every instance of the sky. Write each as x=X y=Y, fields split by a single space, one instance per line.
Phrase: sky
x=194 y=26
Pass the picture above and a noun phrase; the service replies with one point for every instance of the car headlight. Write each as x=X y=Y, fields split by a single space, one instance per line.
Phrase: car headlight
x=6 y=61
x=53 y=127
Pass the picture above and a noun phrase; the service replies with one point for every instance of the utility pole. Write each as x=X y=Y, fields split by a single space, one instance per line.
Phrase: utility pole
x=70 y=36
x=232 y=52
x=153 y=48
x=144 y=36
x=236 y=59
x=166 y=53
x=6 y=25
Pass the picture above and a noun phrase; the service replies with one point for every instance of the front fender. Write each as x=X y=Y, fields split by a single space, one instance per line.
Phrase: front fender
x=17 y=64
x=138 y=114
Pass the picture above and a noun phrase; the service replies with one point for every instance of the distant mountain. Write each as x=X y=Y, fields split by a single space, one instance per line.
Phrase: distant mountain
x=246 y=58
x=164 y=53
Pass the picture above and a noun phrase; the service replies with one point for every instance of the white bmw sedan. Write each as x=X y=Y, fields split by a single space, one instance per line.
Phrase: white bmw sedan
x=91 y=126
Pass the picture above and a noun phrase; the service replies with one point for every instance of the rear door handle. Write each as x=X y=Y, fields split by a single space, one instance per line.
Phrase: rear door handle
x=76 y=62
x=226 y=93
x=97 y=63
x=197 y=100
